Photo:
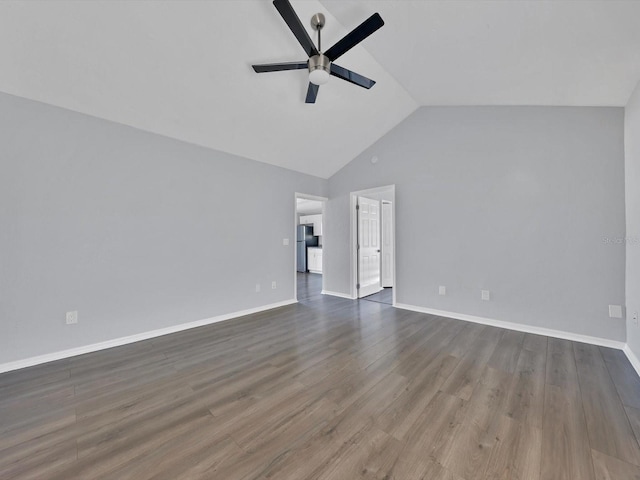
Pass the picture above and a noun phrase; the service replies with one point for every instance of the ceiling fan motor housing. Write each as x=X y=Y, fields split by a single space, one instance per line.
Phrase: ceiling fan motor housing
x=319 y=69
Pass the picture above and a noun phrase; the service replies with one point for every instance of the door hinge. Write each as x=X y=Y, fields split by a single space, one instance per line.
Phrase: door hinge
x=358 y=247
x=358 y=286
x=357 y=207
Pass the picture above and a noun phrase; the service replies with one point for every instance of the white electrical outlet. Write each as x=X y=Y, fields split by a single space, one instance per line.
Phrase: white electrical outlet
x=442 y=290
x=615 y=311
x=72 y=317
x=486 y=295
x=635 y=318
x=285 y=241
x=273 y=285
x=257 y=287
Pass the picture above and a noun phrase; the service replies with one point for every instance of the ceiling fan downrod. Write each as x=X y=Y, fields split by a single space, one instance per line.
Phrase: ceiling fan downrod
x=319 y=65
x=317 y=22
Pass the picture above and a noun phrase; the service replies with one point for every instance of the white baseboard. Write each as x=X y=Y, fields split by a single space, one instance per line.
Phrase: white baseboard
x=50 y=357
x=602 y=342
x=635 y=363
x=337 y=294
x=116 y=342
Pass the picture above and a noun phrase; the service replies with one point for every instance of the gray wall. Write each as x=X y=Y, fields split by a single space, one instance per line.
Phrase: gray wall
x=516 y=200
x=135 y=231
x=632 y=191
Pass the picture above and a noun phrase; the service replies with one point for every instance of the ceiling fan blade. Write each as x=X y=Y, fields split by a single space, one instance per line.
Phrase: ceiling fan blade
x=312 y=93
x=277 y=67
x=349 y=76
x=291 y=18
x=358 y=34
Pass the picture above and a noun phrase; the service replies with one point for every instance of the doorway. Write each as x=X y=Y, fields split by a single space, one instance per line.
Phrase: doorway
x=308 y=243
x=373 y=245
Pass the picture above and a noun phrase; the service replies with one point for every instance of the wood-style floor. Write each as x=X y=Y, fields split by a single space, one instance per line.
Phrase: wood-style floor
x=327 y=389
x=383 y=296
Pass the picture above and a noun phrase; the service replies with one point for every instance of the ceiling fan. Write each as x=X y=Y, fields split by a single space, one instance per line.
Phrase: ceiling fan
x=320 y=64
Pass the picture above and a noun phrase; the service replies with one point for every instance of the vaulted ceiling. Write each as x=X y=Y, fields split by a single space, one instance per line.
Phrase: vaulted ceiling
x=182 y=68
x=510 y=52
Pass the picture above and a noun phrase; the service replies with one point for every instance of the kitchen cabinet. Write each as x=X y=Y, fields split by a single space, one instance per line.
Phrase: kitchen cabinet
x=315 y=220
x=314 y=259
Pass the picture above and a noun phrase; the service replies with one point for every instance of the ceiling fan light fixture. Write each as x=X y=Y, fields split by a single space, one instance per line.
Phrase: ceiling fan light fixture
x=319 y=69
x=319 y=77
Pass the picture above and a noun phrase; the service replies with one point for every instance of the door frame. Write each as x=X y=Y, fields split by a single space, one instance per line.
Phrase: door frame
x=383 y=219
x=306 y=196
x=353 y=196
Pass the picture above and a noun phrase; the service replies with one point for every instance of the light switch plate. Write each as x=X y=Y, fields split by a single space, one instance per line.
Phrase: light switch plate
x=486 y=295
x=442 y=290
x=285 y=241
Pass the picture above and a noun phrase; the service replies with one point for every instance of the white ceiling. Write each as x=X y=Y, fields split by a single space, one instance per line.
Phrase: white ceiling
x=506 y=52
x=308 y=207
x=182 y=68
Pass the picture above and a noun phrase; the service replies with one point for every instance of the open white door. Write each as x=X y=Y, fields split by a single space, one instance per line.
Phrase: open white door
x=368 y=246
x=387 y=244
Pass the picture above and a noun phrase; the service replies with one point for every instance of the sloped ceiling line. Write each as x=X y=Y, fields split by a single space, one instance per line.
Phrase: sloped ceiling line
x=183 y=69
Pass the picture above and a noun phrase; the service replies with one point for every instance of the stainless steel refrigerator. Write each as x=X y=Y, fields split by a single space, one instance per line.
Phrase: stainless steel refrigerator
x=304 y=239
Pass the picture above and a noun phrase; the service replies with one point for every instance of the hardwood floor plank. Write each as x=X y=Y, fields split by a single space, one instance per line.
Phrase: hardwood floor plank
x=200 y=449
x=561 y=364
x=507 y=351
x=40 y=463
x=201 y=459
x=633 y=414
x=609 y=468
x=398 y=418
x=535 y=343
x=103 y=459
x=607 y=423
x=432 y=435
x=516 y=453
x=566 y=453
x=525 y=396
x=41 y=437
x=465 y=339
x=466 y=375
x=623 y=375
x=475 y=439
x=363 y=459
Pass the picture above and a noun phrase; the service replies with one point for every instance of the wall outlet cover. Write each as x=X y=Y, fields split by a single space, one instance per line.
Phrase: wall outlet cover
x=285 y=241
x=72 y=317
x=273 y=285
x=615 y=311
x=486 y=295
x=442 y=290
x=257 y=287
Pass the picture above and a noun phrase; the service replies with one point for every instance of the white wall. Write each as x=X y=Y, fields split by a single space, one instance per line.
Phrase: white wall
x=632 y=191
x=515 y=200
x=134 y=230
